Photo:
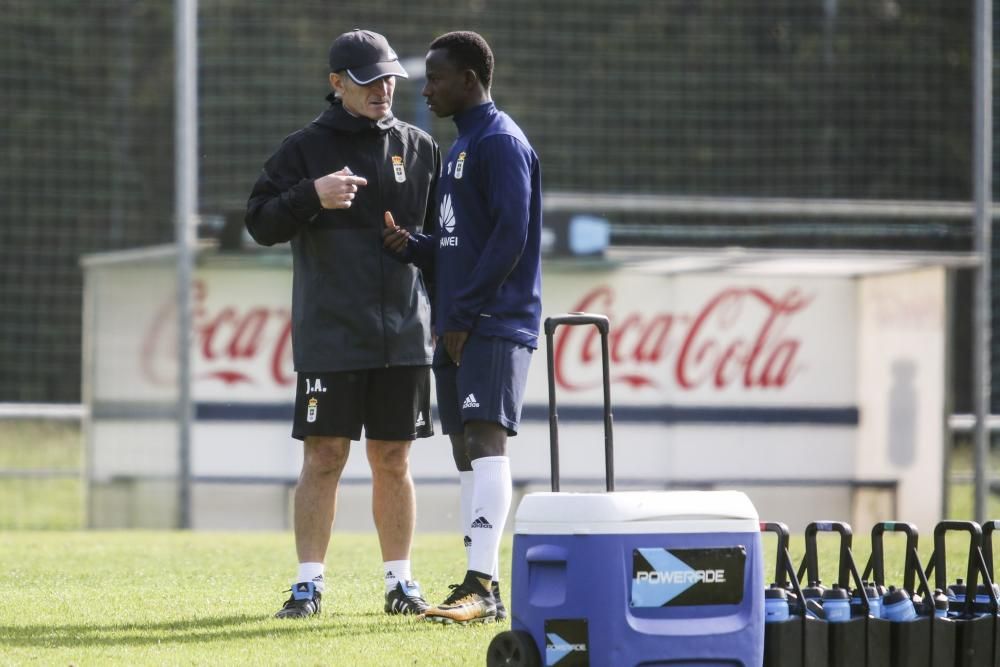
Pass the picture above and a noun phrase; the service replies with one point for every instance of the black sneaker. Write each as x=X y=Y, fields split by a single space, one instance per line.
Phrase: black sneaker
x=405 y=598
x=501 y=608
x=465 y=605
x=305 y=601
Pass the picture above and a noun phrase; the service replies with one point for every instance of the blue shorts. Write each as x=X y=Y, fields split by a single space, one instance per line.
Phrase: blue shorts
x=488 y=386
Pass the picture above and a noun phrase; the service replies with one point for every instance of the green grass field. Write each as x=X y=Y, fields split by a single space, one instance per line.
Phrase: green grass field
x=177 y=598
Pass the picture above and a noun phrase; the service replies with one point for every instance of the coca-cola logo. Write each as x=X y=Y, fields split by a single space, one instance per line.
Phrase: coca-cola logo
x=737 y=337
x=233 y=344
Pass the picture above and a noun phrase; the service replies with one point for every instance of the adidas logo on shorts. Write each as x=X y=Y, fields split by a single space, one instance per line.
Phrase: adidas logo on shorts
x=470 y=402
x=481 y=522
x=420 y=419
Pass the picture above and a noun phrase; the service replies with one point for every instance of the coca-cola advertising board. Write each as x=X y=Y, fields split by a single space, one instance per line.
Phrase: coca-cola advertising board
x=690 y=340
x=705 y=340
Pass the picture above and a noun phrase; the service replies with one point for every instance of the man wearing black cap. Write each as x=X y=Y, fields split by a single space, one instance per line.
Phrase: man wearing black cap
x=361 y=333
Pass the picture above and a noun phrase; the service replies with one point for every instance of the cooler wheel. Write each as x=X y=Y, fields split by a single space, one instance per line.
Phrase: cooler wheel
x=514 y=648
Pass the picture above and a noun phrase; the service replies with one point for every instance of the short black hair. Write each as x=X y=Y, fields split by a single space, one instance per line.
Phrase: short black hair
x=468 y=50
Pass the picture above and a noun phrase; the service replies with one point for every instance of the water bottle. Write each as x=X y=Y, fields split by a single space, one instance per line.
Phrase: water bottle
x=814 y=591
x=775 y=605
x=981 y=607
x=874 y=601
x=897 y=606
x=956 y=597
x=940 y=603
x=957 y=590
x=836 y=605
x=812 y=595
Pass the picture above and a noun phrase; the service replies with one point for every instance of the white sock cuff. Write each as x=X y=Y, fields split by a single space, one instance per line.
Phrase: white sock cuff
x=396 y=571
x=311 y=572
x=489 y=460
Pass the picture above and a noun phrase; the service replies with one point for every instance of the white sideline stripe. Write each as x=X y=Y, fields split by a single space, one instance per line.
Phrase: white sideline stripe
x=67 y=411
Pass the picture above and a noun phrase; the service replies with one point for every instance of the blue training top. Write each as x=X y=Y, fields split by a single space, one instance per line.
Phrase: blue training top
x=486 y=252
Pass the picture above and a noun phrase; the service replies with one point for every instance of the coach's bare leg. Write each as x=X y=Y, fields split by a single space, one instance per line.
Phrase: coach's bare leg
x=316 y=495
x=394 y=504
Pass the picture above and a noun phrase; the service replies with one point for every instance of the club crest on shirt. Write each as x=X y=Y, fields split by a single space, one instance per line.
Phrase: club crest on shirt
x=397 y=169
x=311 y=410
x=460 y=165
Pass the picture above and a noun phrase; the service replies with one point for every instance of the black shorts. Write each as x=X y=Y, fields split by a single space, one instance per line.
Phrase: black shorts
x=390 y=403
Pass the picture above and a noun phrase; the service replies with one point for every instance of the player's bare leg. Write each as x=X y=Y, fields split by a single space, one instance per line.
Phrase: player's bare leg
x=394 y=511
x=323 y=463
x=393 y=498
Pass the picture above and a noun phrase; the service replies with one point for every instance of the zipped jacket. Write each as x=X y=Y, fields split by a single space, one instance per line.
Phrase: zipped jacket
x=353 y=307
x=485 y=250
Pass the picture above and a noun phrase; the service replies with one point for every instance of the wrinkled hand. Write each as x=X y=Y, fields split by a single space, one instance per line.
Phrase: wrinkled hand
x=394 y=238
x=454 y=343
x=337 y=190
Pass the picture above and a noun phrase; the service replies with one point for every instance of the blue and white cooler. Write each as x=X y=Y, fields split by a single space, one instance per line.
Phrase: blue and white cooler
x=639 y=578
x=631 y=578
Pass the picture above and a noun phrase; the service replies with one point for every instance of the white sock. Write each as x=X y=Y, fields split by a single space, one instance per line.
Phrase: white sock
x=396 y=571
x=311 y=572
x=465 y=480
x=491 y=496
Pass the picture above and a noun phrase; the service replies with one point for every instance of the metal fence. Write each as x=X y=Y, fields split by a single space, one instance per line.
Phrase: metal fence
x=822 y=99
x=775 y=123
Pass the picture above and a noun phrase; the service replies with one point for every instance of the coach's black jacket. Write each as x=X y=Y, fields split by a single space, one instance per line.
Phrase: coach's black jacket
x=353 y=306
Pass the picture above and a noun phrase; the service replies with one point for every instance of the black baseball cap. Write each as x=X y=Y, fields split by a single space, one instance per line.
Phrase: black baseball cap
x=366 y=56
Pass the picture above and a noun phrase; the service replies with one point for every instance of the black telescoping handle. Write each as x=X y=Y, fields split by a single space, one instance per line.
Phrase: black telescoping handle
x=911 y=564
x=603 y=326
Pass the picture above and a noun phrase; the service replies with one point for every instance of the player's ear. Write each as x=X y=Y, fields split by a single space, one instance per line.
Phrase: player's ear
x=337 y=83
x=471 y=78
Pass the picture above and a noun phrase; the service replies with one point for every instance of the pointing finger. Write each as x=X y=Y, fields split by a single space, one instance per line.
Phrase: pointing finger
x=389 y=221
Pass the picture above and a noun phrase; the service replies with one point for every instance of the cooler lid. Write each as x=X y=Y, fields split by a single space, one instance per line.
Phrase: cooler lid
x=636 y=512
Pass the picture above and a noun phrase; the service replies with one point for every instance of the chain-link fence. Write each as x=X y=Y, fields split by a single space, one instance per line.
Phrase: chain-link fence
x=789 y=98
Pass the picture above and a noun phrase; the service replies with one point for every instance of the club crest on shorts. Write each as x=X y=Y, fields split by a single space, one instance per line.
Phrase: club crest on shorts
x=311 y=410
x=460 y=165
x=397 y=169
